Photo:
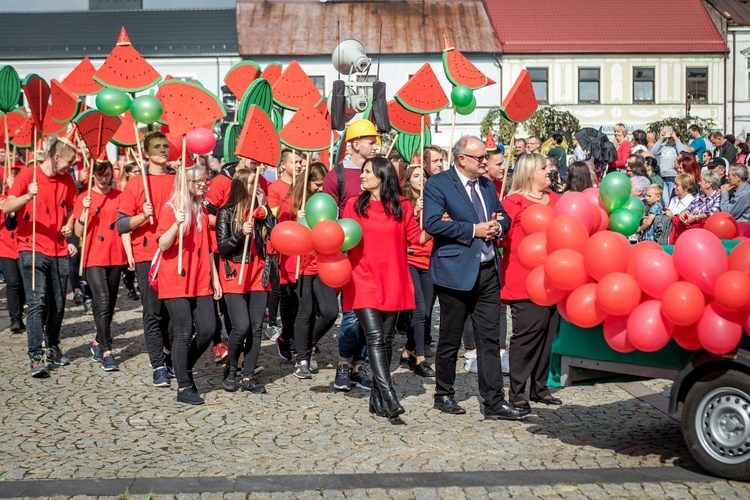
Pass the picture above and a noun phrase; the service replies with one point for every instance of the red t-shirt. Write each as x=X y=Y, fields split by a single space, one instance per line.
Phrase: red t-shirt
x=217 y=195
x=103 y=244
x=56 y=196
x=196 y=259
x=288 y=264
x=380 y=274
x=514 y=274
x=421 y=256
x=131 y=204
x=277 y=191
x=8 y=248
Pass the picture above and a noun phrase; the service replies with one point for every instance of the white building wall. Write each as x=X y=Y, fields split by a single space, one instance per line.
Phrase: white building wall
x=738 y=81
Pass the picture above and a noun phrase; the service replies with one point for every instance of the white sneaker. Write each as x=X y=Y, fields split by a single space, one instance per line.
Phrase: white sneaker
x=273 y=332
x=470 y=365
x=504 y=361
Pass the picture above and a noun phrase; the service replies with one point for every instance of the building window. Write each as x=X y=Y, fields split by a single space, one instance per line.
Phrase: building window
x=643 y=85
x=588 y=85
x=540 y=82
x=320 y=82
x=697 y=84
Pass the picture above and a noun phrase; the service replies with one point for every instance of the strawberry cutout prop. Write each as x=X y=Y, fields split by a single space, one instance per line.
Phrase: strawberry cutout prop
x=240 y=76
x=259 y=140
x=459 y=70
x=37 y=94
x=422 y=93
x=188 y=106
x=81 y=81
x=96 y=130
x=126 y=69
x=294 y=88
x=520 y=103
x=65 y=104
x=308 y=130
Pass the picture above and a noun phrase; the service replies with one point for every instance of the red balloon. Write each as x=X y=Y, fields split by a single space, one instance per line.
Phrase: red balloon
x=743 y=229
x=616 y=334
x=327 y=236
x=618 y=294
x=564 y=269
x=582 y=307
x=739 y=258
x=533 y=250
x=605 y=253
x=648 y=329
x=592 y=194
x=604 y=224
x=732 y=291
x=291 y=238
x=565 y=231
x=723 y=225
x=536 y=218
x=700 y=258
x=576 y=205
x=717 y=332
x=540 y=291
x=334 y=269
x=596 y=220
x=654 y=272
x=746 y=322
x=687 y=336
x=200 y=141
x=636 y=251
x=682 y=303
x=563 y=310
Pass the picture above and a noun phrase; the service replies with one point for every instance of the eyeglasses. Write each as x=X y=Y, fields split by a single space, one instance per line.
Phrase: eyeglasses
x=478 y=159
x=201 y=181
x=104 y=176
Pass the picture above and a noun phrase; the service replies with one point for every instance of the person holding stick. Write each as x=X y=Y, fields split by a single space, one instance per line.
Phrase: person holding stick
x=9 y=264
x=134 y=214
x=103 y=256
x=187 y=293
x=129 y=170
x=246 y=301
x=54 y=222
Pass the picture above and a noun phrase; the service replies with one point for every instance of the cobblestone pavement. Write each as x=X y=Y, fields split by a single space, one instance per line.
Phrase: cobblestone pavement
x=84 y=423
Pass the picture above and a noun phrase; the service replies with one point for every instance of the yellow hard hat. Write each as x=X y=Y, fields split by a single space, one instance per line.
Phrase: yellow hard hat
x=361 y=128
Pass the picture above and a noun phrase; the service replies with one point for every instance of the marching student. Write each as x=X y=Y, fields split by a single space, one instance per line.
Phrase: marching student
x=11 y=273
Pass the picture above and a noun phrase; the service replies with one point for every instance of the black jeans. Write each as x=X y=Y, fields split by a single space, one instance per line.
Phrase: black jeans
x=190 y=343
x=274 y=296
x=246 y=311
x=421 y=317
x=482 y=302
x=311 y=296
x=220 y=306
x=13 y=289
x=155 y=318
x=379 y=327
x=104 y=283
x=51 y=279
x=129 y=279
x=288 y=311
x=530 y=348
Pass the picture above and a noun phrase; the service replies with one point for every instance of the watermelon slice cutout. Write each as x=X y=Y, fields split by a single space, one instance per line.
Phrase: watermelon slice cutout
x=81 y=81
x=520 y=103
x=126 y=69
x=188 y=106
x=308 y=130
x=489 y=143
x=125 y=135
x=404 y=120
x=65 y=104
x=409 y=144
x=294 y=88
x=459 y=70
x=258 y=140
x=416 y=161
x=10 y=88
x=422 y=93
x=50 y=126
x=96 y=130
x=16 y=119
x=257 y=93
x=231 y=135
x=37 y=94
x=240 y=76
x=272 y=72
x=24 y=136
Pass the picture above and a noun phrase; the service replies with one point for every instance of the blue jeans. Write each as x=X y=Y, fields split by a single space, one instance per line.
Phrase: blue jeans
x=352 y=342
x=667 y=194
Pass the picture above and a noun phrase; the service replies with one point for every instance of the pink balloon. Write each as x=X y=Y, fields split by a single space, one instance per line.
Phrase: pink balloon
x=648 y=329
x=732 y=291
x=592 y=194
x=717 y=332
x=687 y=337
x=700 y=258
x=616 y=334
x=604 y=224
x=582 y=308
x=200 y=141
x=576 y=205
x=654 y=272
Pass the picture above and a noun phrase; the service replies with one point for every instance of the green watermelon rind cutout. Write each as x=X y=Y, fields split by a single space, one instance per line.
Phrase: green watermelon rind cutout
x=456 y=79
x=231 y=136
x=10 y=88
x=76 y=108
x=277 y=118
x=257 y=93
x=422 y=83
x=203 y=90
x=408 y=144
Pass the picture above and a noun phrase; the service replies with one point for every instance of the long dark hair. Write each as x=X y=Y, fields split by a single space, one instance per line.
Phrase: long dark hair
x=389 y=192
x=579 y=177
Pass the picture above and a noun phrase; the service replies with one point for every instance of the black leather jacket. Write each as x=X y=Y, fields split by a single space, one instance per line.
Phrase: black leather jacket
x=230 y=238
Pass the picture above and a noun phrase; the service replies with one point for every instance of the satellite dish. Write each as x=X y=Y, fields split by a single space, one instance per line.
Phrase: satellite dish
x=349 y=57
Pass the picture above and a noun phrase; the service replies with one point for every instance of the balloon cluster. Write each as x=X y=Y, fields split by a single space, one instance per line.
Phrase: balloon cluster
x=321 y=233
x=625 y=211
x=463 y=100
x=643 y=296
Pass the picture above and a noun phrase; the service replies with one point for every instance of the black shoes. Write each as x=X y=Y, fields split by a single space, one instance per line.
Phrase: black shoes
x=376 y=403
x=229 y=383
x=447 y=404
x=424 y=369
x=506 y=411
x=189 y=396
x=409 y=362
x=17 y=327
x=549 y=400
x=392 y=407
x=252 y=385
x=522 y=405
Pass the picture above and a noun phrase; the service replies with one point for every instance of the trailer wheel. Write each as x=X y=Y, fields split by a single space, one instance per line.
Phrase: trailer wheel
x=716 y=424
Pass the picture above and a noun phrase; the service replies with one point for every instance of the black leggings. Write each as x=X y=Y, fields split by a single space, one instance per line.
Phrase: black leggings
x=274 y=296
x=13 y=289
x=220 y=306
x=129 y=279
x=187 y=348
x=311 y=296
x=104 y=282
x=421 y=318
x=379 y=327
x=246 y=311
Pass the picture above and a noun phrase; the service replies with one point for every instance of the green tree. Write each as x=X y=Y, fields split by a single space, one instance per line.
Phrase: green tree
x=542 y=124
x=681 y=124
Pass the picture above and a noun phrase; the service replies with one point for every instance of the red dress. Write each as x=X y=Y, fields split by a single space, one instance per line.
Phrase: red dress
x=104 y=246
x=380 y=273
x=514 y=274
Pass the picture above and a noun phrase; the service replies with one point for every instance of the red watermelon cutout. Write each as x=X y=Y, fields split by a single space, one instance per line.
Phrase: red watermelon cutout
x=240 y=76
x=96 y=129
x=520 y=103
x=258 y=139
x=16 y=119
x=81 y=81
x=188 y=106
x=24 y=136
x=37 y=94
x=126 y=69
x=50 y=126
x=489 y=143
x=422 y=93
x=125 y=135
x=65 y=104
x=308 y=130
x=404 y=120
x=272 y=72
x=294 y=88
x=459 y=70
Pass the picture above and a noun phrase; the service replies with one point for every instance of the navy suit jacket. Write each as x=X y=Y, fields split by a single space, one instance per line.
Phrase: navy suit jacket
x=456 y=255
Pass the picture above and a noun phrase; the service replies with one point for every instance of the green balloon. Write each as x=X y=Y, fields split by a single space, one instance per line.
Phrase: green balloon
x=635 y=205
x=614 y=191
x=112 y=102
x=146 y=109
x=352 y=233
x=624 y=221
x=320 y=207
x=303 y=221
x=468 y=109
x=461 y=96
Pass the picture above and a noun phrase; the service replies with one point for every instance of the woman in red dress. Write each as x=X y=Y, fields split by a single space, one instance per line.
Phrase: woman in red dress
x=381 y=286
x=104 y=258
x=246 y=302
x=188 y=293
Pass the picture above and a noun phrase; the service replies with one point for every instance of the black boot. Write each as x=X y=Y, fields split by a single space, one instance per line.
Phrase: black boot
x=376 y=403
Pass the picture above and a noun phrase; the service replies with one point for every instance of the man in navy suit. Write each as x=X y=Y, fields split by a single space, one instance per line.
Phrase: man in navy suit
x=465 y=217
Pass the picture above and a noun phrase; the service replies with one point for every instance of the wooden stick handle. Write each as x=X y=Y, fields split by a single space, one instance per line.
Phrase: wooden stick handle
x=8 y=165
x=183 y=188
x=33 y=224
x=253 y=197
x=304 y=198
x=450 y=146
x=421 y=162
x=139 y=159
x=390 y=148
x=85 y=216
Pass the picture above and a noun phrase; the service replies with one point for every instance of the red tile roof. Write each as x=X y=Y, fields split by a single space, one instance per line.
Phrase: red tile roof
x=604 y=26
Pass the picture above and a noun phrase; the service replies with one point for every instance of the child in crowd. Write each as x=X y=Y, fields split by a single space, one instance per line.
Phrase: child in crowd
x=639 y=186
x=653 y=208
